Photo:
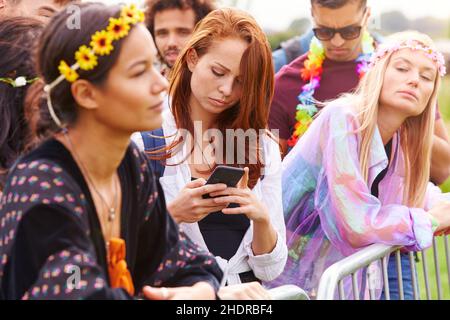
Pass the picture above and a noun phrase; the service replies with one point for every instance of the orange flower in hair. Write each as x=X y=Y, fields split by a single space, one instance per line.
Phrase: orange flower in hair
x=85 y=58
x=102 y=43
x=118 y=28
x=69 y=74
x=132 y=14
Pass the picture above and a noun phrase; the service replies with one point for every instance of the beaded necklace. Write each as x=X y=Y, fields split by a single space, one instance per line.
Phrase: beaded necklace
x=312 y=73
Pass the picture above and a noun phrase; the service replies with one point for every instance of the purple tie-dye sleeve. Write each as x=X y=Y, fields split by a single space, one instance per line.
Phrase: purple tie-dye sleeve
x=351 y=216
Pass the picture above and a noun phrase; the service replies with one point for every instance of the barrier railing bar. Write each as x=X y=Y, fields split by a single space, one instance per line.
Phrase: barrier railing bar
x=345 y=267
x=415 y=283
x=355 y=287
x=399 y=275
x=437 y=268
x=384 y=263
x=371 y=289
x=333 y=277
x=447 y=254
x=341 y=290
x=425 y=271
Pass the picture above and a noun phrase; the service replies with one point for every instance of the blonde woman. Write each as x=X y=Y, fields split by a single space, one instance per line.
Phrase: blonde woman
x=360 y=174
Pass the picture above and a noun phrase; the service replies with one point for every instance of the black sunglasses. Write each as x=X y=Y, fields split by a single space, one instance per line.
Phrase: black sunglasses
x=347 y=33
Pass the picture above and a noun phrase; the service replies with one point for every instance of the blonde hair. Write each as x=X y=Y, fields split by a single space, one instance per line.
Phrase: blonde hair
x=416 y=133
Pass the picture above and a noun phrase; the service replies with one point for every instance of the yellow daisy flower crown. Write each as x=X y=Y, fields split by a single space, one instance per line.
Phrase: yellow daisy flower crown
x=101 y=44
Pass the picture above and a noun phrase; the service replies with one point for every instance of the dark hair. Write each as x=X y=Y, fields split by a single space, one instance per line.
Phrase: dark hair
x=17 y=40
x=57 y=43
x=337 y=4
x=201 y=9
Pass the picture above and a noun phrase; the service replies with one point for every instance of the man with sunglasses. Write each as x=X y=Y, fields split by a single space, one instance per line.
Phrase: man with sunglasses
x=340 y=27
x=342 y=41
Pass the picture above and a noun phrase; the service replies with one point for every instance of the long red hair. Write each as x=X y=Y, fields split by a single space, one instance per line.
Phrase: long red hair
x=257 y=72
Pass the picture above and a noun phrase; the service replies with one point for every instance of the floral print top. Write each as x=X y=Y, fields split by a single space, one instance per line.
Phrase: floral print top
x=51 y=244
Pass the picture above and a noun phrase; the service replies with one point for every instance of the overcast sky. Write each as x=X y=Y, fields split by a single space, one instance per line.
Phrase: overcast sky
x=277 y=14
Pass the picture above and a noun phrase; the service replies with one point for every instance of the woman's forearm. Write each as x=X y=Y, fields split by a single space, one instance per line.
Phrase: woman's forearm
x=264 y=237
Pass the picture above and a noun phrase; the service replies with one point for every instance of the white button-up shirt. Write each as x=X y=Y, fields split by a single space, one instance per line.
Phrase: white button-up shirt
x=266 y=267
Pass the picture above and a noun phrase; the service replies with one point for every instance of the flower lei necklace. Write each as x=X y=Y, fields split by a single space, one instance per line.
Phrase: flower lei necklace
x=311 y=74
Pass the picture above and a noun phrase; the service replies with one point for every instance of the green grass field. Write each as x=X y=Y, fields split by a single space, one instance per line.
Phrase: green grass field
x=444 y=106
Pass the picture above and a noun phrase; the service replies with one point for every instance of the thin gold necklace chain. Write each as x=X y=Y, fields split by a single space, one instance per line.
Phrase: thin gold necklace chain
x=203 y=155
x=111 y=209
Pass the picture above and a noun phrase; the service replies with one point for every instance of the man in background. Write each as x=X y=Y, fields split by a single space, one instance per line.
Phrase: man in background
x=171 y=23
x=339 y=25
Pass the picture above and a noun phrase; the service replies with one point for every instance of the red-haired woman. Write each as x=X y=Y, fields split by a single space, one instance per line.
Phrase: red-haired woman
x=221 y=89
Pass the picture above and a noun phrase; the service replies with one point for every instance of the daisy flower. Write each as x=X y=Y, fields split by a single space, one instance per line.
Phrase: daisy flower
x=131 y=14
x=86 y=59
x=102 y=43
x=70 y=74
x=118 y=28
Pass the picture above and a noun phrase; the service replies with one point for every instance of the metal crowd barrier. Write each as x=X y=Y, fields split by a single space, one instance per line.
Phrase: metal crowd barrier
x=288 y=292
x=333 y=278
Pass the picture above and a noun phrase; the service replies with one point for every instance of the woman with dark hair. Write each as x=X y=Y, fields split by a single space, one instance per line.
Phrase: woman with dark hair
x=222 y=83
x=17 y=38
x=81 y=215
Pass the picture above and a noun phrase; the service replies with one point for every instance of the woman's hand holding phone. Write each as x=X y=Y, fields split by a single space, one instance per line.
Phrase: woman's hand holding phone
x=242 y=195
x=190 y=206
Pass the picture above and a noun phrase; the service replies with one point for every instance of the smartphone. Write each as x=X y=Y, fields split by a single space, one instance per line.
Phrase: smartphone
x=225 y=174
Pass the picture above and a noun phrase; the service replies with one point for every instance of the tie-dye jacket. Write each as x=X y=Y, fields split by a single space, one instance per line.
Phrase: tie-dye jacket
x=329 y=210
